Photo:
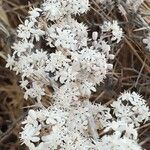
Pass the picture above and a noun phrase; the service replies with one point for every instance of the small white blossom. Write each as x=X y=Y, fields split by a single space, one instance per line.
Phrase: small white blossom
x=24 y=84
x=36 y=91
x=114 y=28
x=31 y=133
x=86 y=88
x=22 y=47
x=10 y=61
x=28 y=29
x=34 y=13
x=147 y=41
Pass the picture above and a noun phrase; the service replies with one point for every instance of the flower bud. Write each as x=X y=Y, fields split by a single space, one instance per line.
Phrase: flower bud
x=95 y=35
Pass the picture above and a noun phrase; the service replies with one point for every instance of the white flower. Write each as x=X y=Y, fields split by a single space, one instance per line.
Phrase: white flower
x=67 y=74
x=93 y=66
x=31 y=118
x=24 y=84
x=34 y=13
x=56 y=61
x=31 y=133
x=67 y=94
x=116 y=31
x=131 y=108
x=36 y=91
x=86 y=88
x=78 y=119
x=52 y=9
x=10 y=62
x=22 y=47
x=106 y=26
x=28 y=29
x=24 y=30
x=147 y=41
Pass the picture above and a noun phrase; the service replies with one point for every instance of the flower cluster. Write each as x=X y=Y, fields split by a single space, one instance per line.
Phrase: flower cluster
x=68 y=34
x=57 y=126
x=67 y=127
x=132 y=108
x=57 y=9
x=72 y=62
x=72 y=65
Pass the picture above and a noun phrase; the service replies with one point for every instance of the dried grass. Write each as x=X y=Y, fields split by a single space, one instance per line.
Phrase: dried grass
x=131 y=66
